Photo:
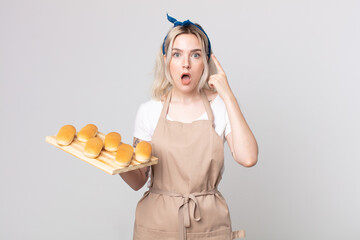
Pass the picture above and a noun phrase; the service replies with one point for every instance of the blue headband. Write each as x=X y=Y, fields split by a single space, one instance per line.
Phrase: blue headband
x=185 y=23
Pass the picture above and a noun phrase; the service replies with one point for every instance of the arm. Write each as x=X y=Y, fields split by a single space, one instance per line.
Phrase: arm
x=241 y=140
x=137 y=178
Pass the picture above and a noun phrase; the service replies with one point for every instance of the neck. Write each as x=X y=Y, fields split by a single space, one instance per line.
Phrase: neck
x=184 y=97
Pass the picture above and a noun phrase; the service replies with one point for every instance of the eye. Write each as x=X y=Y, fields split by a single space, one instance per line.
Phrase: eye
x=196 y=55
x=176 y=54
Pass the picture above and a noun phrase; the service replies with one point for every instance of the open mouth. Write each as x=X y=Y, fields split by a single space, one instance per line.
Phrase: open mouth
x=185 y=79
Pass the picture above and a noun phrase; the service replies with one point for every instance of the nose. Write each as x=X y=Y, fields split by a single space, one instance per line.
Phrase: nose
x=186 y=63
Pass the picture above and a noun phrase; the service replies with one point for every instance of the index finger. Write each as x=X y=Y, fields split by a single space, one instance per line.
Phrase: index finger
x=217 y=64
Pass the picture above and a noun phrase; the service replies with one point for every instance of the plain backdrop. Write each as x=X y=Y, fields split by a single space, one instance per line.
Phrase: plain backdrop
x=293 y=66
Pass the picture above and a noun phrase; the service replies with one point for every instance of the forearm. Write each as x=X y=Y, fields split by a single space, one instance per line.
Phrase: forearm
x=135 y=179
x=241 y=140
x=244 y=145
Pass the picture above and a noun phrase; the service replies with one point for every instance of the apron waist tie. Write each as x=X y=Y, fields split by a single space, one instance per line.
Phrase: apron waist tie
x=184 y=211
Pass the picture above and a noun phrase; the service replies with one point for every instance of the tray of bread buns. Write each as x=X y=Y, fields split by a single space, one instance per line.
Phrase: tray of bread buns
x=104 y=151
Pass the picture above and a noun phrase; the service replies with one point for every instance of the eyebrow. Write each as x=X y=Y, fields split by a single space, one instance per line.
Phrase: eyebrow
x=194 y=50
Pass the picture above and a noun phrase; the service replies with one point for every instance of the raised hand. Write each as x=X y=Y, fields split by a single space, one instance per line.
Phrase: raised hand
x=219 y=80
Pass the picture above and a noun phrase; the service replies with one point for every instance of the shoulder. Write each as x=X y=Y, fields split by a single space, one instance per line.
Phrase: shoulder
x=146 y=119
x=218 y=103
x=149 y=112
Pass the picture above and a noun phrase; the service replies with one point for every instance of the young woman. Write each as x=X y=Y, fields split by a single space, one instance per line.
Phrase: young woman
x=193 y=113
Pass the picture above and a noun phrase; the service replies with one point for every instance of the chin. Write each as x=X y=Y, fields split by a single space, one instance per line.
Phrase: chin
x=186 y=88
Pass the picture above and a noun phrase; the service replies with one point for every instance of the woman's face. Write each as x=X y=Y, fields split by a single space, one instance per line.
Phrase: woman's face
x=186 y=64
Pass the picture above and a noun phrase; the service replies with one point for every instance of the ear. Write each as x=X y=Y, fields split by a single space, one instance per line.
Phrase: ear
x=164 y=57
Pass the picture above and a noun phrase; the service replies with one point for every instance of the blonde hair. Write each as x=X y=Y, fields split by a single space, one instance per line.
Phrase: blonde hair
x=163 y=82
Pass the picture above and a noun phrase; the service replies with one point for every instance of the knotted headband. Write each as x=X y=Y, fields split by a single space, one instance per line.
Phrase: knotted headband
x=185 y=23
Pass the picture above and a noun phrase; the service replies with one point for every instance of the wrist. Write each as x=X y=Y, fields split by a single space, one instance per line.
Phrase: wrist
x=229 y=97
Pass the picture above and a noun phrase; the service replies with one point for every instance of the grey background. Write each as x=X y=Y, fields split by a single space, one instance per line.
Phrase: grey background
x=293 y=65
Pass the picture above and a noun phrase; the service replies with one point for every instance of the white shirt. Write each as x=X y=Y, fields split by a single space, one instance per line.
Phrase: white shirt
x=149 y=112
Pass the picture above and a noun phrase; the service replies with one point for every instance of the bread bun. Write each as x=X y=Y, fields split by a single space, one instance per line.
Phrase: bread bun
x=93 y=147
x=87 y=132
x=143 y=152
x=112 y=141
x=124 y=155
x=66 y=135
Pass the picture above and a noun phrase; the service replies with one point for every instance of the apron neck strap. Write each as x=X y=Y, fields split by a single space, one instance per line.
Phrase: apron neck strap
x=205 y=101
x=166 y=106
x=207 y=107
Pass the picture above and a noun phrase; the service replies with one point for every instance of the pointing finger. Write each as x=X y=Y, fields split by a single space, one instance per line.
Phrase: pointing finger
x=217 y=64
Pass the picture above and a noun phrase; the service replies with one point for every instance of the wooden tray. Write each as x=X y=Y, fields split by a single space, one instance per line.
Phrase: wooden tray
x=105 y=161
